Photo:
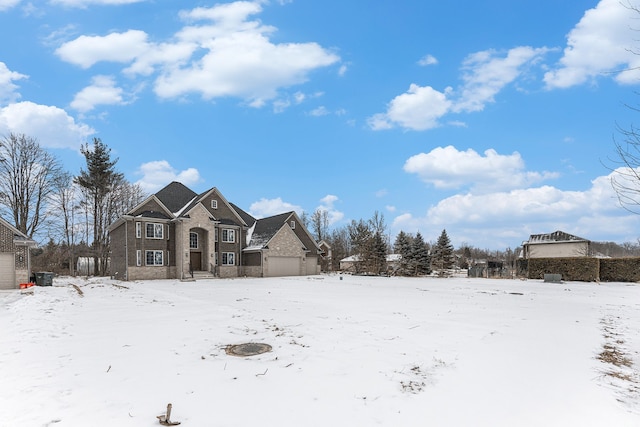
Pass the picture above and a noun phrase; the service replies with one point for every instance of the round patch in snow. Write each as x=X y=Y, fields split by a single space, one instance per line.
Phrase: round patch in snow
x=247 y=349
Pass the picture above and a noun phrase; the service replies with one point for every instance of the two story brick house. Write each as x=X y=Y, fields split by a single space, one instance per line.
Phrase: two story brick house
x=178 y=234
x=15 y=256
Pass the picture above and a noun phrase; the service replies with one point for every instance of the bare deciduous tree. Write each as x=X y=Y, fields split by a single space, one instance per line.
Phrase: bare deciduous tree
x=625 y=178
x=320 y=223
x=27 y=174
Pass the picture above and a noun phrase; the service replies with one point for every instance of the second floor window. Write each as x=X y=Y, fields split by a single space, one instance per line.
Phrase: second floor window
x=193 y=240
x=229 y=236
x=154 y=231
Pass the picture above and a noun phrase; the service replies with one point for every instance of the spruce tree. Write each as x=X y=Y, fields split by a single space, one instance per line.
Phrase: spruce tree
x=378 y=260
x=420 y=260
x=98 y=180
x=402 y=247
x=443 y=252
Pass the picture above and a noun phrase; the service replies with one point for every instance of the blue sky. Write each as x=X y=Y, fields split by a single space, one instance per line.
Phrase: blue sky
x=491 y=119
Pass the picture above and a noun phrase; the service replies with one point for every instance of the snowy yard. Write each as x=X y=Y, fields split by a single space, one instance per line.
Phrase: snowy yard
x=353 y=352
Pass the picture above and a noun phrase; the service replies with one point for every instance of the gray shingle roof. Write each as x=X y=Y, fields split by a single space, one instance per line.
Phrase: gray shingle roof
x=248 y=219
x=266 y=228
x=556 y=236
x=175 y=196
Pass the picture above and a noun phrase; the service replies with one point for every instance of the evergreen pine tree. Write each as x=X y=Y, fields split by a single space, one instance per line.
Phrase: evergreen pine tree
x=378 y=260
x=98 y=181
x=443 y=252
x=419 y=260
x=402 y=247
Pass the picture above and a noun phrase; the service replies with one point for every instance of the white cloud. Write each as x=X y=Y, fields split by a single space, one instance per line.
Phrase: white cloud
x=85 y=51
x=327 y=203
x=268 y=207
x=52 y=126
x=8 y=4
x=101 y=92
x=485 y=74
x=221 y=53
x=159 y=173
x=8 y=89
x=427 y=60
x=602 y=43
x=419 y=108
x=319 y=111
x=449 y=168
x=85 y=3
x=239 y=58
x=497 y=218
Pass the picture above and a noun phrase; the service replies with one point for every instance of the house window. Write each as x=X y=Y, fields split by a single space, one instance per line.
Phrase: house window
x=216 y=235
x=293 y=225
x=138 y=230
x=228 y=258
x=154 y=258
x=138 y=258
x=154 y=230
x=229 y=236
x=214 y=204
x=193 y=240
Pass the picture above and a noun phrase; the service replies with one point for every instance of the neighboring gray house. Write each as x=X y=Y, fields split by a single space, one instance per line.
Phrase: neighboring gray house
x=15 y=256
x=348 y=264
x=555 y=245
x=176 y=233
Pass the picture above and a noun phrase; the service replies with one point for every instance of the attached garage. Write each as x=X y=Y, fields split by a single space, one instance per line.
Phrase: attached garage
x=7 y=271
x=283 y=266
x=312 y=265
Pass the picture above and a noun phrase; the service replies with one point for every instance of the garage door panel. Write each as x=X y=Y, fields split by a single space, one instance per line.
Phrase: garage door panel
x=312 y=265
x=284 y=266
x=7 y=271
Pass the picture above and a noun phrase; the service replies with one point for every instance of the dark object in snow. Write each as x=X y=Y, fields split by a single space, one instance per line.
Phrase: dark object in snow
x=553 y=278
x=248 y=349
x=165 y=420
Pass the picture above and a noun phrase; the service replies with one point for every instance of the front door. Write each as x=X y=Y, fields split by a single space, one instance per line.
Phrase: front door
x=196 y=261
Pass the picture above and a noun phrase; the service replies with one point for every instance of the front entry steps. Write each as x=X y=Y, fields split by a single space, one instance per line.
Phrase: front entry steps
x=199 y=275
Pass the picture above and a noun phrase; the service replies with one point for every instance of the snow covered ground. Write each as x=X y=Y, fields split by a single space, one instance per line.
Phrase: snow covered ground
x=357 y=351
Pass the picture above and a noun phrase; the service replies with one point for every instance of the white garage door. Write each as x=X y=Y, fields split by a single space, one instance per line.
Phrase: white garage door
x=7 y=272
x=312 y=265
x=284 y=266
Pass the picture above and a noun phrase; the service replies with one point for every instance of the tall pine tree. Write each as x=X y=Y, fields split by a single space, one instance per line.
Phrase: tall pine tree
x=98 y=180
x=402 y=247
x=378 y=260
x=420 y=261
x=443 y=253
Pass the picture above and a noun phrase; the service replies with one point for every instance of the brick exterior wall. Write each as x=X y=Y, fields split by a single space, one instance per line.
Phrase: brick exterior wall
x=284 y=244
x=21 y=254
x=118 y=251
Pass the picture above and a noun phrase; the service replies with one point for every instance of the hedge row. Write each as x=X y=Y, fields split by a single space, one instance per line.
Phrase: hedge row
x=584 y=269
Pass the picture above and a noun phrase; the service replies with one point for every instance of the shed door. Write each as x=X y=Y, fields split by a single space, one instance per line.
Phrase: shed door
x=7 y=272
x=284 y=266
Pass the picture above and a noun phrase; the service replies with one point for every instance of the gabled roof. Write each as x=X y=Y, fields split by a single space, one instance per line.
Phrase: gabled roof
x=175 y=196
x=555 y=237
x=19 y=238
x=248 y=219
x=266 y=228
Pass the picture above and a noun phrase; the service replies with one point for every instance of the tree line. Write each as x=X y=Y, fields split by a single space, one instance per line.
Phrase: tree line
x=70 y=215
x=368 y=243
x=70 y=212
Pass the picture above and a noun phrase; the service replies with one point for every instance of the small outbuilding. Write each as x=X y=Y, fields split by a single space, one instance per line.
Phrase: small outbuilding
x=555 y=245
x=15 y=256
